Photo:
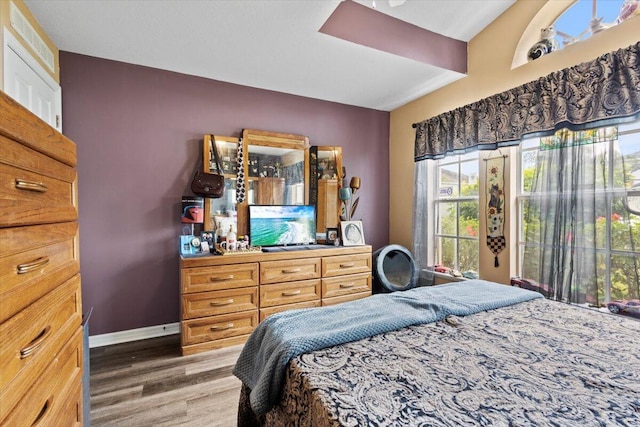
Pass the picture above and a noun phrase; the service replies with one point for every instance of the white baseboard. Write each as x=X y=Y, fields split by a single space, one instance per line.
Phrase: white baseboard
x=133 y=334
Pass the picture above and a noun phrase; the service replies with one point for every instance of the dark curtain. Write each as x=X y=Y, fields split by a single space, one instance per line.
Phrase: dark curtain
x=589 y=95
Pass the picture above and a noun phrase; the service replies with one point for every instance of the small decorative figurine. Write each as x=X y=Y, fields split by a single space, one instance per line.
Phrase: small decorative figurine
x=547 y=43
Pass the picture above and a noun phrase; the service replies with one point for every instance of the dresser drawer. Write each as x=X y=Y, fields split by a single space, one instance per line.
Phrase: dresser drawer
x=217 y=327
x=31 y=338
x=344 y=298
x=344 y=285
x=346 y=264
x=220 y=277
x=42 y=404
x=268 y=311
x=289 y=292
x=33 y=261
x=22 y=125
x=203 y=304
x=20 y=156
x=289 y=270
x=69 y=413
x=31 y=198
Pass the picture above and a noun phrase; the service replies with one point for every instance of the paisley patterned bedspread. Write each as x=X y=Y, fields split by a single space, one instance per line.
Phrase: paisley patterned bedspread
x=536 y=363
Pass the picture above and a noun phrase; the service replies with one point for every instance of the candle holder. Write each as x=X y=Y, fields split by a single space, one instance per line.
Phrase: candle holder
x=345 y=196
x=355 y=184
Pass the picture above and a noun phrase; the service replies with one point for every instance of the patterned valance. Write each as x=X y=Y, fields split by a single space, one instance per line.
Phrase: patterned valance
x=592 y=94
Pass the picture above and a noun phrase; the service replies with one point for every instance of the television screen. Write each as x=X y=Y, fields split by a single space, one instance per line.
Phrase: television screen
x=282 y=225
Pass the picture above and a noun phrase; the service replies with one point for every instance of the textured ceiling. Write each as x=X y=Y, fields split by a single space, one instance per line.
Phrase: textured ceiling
x=272 y=44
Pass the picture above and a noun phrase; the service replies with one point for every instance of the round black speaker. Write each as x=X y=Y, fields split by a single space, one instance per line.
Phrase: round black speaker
x=394 y=269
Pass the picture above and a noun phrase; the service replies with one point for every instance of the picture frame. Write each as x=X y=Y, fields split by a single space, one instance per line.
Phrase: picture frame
x=352 y=233
x=332 y=235
x=208 y=237
x=190 y=245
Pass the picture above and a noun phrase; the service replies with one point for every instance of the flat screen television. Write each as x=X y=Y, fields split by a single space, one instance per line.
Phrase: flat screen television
x=282 y=225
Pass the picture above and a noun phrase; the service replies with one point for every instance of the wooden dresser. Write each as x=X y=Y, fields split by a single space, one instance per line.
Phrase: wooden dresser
x=40 y=304
x=224 y=297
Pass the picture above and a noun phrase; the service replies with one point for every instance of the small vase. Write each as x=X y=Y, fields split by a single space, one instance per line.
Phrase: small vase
x=345 y=193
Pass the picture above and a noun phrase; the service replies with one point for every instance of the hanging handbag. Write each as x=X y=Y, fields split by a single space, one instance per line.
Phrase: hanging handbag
x=209 y=184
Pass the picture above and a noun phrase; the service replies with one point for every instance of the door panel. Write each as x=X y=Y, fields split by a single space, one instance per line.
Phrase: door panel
x=23 y=81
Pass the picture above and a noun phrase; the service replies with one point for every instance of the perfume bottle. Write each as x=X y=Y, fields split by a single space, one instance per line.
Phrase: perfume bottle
x=231 y=239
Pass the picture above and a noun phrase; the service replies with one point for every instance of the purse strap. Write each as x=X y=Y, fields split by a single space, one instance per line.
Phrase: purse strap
x=215 y=155
x=198 y=167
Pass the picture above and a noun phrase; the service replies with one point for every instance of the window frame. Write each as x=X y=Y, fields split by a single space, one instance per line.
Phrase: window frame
x=438 y=200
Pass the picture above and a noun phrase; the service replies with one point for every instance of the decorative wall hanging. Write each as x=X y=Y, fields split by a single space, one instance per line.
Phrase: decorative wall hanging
x=495 y=206
x=240 y=184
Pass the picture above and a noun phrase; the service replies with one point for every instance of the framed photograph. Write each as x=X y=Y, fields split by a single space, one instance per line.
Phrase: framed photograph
x=352 y=234
x=332 y=235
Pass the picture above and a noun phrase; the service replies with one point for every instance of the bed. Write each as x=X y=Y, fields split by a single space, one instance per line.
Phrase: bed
x=523 y=361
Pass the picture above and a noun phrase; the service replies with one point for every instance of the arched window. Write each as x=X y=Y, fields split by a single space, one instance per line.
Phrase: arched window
x=554 y=29
x=587 y=17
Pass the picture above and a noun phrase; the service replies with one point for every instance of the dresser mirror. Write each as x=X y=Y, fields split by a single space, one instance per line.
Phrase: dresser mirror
x=269 y=169
x=276 y=170
x=329 y=173
x=222 y=211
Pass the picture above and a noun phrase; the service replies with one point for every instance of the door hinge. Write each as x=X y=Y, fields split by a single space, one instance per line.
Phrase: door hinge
x=57 y=121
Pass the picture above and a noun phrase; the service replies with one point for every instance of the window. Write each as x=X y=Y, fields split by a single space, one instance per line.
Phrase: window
x=587 y=17
x=607 y=228
x=456 y=212
x=564 y=25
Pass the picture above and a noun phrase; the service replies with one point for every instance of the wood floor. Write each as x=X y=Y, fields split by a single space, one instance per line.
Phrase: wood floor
x=148 y=383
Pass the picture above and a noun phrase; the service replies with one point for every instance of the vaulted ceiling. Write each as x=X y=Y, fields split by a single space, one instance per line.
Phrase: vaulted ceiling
x=277 y=45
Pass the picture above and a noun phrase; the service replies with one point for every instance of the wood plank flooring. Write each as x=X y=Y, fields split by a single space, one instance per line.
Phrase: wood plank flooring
x=149 y=383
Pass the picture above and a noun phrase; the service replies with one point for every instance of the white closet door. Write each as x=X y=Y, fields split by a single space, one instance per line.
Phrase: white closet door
x=28 y=83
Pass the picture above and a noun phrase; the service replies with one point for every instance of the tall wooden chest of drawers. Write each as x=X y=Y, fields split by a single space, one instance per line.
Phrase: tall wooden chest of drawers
x=40 y=302
x=225 y=297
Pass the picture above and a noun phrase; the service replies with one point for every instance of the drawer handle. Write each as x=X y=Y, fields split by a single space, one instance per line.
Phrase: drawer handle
x=347 y=285
x=38 y=187
x=35 y=344
x=291 y=293
x=347 y=265
x=33 y=265
x=221 y=279
x=220 y=303
x=42 y=413
x=222 y=327
x=291 y=270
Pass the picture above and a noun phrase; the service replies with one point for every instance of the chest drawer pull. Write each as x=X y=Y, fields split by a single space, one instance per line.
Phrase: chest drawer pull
x=221 y=303
x=222 y=327
x=33 y=265
x=347 y=265
x=347 y=285
x=291 y=270
x=221 y=279
x=42 y=413
x=38 y=187
x=35 y=344
x=291 y=293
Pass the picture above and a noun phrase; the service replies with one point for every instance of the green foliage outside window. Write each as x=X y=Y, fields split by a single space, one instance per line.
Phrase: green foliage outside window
x=463 y=227
x=612 y=219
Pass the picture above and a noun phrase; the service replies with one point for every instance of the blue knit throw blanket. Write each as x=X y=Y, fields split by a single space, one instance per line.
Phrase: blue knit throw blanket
x=283 y=336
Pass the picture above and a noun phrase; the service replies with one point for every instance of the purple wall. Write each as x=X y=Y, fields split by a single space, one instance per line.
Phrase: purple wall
x=138 y=132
